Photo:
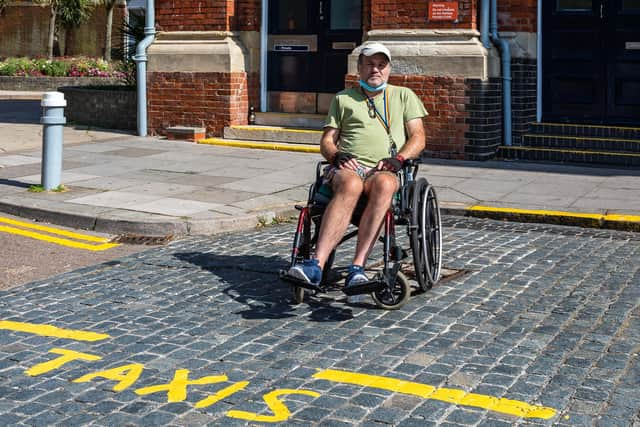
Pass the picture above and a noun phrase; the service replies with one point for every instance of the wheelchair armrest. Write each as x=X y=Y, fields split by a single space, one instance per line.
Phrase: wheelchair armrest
x=411 y=165
x=319 y=167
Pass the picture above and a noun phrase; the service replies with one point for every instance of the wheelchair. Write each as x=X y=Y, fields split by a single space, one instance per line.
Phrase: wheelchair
x=414 y=206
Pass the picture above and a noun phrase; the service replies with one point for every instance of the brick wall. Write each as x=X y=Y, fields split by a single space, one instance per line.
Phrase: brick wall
x=51 y=83
x=24 y=32
x=518 y=15
x=110 y=108
x=411 y=14
x=248 y=14
x=446 y=100
x=194 y=15
x=209 y=100
x=484 y=118
x=523 y=93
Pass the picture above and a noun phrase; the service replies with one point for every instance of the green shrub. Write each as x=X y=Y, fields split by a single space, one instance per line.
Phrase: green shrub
x=56 y=68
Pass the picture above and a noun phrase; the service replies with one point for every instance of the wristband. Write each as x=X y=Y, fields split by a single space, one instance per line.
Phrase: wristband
x=401 y=158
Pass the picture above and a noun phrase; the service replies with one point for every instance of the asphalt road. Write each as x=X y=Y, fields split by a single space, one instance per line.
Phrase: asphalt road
x=544 y=329
x=25 y=259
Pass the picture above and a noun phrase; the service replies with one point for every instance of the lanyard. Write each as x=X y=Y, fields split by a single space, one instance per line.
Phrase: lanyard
x=385 y=119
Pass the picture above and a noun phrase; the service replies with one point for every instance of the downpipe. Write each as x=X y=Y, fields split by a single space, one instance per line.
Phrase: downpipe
x=140 y=59
x=490 y=11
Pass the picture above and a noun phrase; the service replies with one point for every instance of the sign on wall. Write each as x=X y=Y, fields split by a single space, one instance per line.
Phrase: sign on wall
x=443 y=11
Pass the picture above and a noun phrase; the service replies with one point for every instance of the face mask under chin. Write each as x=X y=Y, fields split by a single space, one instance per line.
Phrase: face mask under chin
x=369 y=88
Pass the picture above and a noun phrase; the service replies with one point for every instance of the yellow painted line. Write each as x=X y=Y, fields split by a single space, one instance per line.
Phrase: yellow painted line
x=587 y=126
x=479 y=208
x=276 y=128
x=51 y=331
x=57 y=231
x=262 y=145
x=595 y=138
x=458 y=397
x=622 y=218
x=557 y=150
x=540 y=212
x=57 y=240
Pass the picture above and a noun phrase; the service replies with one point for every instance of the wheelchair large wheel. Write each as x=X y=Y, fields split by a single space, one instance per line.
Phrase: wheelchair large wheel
x=426 y=233
x=396 y=297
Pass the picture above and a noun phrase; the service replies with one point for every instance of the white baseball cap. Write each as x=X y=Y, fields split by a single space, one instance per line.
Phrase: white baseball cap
x=371 y=49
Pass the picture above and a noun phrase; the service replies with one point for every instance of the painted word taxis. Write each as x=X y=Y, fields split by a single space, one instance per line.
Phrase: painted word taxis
x=126 y=375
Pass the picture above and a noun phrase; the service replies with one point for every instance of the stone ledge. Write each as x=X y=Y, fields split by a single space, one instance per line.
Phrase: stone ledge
x=45 y=83
x=454 y=53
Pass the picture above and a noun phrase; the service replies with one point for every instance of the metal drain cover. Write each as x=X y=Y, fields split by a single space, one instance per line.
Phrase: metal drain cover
x=137 y=239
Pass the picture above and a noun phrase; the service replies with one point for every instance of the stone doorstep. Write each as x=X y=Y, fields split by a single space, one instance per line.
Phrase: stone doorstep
x=186 y=133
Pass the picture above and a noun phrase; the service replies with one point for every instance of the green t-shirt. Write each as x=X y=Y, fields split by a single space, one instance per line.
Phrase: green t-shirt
x=366 y=137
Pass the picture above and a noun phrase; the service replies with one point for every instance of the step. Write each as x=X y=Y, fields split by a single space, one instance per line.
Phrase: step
x=581 y=143
x=304 y=121
x=273 y=134
x=262 y=145
x=581 y=130
x=590 y=157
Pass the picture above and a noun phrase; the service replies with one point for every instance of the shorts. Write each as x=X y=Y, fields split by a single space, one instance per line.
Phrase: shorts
x=329 y=172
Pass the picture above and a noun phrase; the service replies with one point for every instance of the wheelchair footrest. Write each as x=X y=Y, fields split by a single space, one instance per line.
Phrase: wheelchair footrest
x=298 y=282
x=369 y=287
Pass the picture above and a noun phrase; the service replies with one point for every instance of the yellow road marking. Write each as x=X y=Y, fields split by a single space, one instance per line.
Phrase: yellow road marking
x=51 y=331
x=622 y=218
x=458 y=397
x=57 y=240
x=594 y=216
x=262 y=146
x=277 y=128
x=479 y=208
x=562 y=150
x=57 y=231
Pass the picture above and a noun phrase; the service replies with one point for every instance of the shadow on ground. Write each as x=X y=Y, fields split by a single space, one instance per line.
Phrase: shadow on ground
x=253 y=281
x=20 y=111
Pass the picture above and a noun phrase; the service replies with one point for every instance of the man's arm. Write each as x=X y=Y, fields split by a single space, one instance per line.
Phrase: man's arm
x=416 y=142
x=329 y=143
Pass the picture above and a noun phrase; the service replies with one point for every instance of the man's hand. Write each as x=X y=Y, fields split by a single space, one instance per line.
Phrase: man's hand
x=390 y=164
x=341 y=158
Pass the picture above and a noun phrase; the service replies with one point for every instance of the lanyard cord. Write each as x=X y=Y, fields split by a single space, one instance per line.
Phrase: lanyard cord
x=384 y=120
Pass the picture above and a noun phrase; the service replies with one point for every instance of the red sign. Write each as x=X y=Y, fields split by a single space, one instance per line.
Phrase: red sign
x=443 y=11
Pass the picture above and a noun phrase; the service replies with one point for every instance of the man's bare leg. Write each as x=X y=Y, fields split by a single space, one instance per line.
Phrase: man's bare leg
x=379 y=189
x=347 y=188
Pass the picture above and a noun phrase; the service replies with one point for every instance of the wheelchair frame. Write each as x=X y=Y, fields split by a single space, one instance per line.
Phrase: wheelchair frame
x=415 y=206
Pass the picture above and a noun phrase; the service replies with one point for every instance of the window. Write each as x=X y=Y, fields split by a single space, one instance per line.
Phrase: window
x=346 y=14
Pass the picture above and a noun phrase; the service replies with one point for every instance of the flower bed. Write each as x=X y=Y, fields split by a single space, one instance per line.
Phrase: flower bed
x=65 y=67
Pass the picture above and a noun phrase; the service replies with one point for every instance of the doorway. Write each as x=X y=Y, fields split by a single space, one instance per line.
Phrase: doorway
x=308 y=46
x=591 y=61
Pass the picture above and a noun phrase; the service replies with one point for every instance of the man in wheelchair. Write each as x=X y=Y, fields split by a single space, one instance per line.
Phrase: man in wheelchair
x=369 y=133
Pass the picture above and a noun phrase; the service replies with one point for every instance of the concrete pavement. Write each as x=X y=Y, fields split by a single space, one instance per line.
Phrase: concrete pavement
x=119 y=183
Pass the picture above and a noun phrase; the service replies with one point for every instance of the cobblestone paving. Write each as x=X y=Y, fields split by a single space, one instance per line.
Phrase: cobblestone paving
x=547 y=315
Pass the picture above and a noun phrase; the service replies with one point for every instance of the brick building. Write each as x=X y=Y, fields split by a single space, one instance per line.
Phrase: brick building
x=571 y=62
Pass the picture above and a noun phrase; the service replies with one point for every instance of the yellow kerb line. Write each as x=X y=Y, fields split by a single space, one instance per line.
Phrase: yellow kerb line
x=595 y=216
x=56 y=240
x=458 y=397
x=261 y=146
x=57 y=231
x=51 y=331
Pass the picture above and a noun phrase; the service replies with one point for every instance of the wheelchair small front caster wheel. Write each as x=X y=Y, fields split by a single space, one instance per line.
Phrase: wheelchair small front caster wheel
x=298 y=294
x=395 y=297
